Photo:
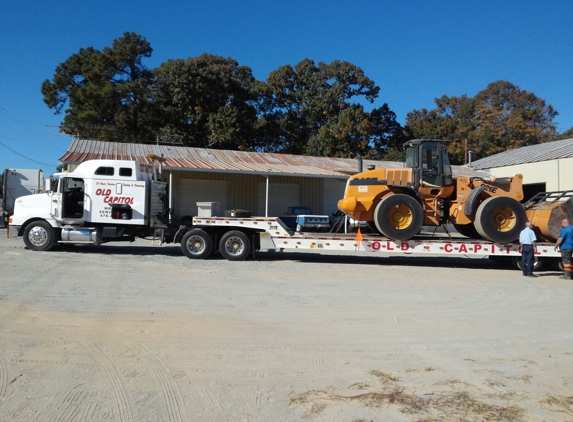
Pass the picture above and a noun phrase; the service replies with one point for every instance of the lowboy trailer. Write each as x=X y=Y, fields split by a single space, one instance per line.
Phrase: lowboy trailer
x=237 y=237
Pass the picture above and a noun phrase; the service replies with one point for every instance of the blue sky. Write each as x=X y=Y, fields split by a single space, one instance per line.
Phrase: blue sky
x=414 y=50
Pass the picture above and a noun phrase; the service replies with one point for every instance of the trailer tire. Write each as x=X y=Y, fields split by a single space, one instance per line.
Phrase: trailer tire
x=538 y=264
x=399 y=216
x=197 y=244
x=235 y=245
x=39 y=236
x=500 y=219
x=467 y=230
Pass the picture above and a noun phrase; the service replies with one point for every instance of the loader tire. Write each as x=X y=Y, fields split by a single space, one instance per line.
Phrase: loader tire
x=467 y=230
x=39 y=236
x=373 y=228
x=500 y=219
x=197 y=244
x=399 y=217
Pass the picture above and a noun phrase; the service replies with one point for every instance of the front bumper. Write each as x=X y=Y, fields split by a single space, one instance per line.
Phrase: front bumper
x=13 y=231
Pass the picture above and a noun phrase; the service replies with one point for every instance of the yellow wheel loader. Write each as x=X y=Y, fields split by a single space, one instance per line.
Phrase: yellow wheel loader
x=397 y=202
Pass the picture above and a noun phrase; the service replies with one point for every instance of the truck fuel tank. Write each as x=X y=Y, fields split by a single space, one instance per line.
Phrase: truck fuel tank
x=81 y=235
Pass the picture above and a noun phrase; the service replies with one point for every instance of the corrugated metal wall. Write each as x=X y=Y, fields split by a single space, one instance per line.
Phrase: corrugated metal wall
x=556 y=174
x=243 y=189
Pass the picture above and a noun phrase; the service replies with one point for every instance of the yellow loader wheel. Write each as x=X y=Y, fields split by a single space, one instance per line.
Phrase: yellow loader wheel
x=500 y=219
x=399 y=216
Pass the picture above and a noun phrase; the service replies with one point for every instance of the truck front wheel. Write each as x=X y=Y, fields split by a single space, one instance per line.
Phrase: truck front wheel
x=197 y=244
x=399 y=217
x=235 y=245
x=39 y=236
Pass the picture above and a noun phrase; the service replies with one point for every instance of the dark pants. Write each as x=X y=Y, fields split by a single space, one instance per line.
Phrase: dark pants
x=527 y=259
x=567 y=265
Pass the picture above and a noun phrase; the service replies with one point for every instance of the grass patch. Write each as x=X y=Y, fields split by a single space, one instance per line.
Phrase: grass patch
x=559 y=404
x=450 y=406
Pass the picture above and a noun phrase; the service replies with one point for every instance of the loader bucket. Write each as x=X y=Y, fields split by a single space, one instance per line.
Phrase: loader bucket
x=546 y=210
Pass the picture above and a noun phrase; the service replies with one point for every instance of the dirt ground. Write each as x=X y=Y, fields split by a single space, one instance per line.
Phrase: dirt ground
x=134 y=332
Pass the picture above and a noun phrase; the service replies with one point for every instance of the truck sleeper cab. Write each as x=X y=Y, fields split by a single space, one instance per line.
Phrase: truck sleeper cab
x=100 y=200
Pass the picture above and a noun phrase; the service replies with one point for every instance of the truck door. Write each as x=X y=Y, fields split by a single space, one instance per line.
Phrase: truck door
x=68 y=199
x=72 y=197
x=56 y=199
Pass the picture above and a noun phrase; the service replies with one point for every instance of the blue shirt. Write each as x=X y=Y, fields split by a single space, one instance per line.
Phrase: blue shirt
x=527 y=236
x=566 y=234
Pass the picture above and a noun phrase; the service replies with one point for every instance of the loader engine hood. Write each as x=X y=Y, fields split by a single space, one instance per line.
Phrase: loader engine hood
x=363 y=188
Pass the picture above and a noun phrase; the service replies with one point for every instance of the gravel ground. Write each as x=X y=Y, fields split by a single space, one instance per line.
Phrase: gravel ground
x=135 y=332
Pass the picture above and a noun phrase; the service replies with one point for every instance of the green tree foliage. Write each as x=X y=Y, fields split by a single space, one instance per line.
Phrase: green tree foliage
x=212 y=101
x=207 y=101
x=567 y=134
x=309 y=109
x=107 y=92
x=500 y=117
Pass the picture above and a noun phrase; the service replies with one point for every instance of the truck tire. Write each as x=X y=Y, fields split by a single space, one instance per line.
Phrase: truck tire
x=39 y=236
x=399 y=217
x=197 y=244
x=467 y=230
x=235 y=245
x=500 y=219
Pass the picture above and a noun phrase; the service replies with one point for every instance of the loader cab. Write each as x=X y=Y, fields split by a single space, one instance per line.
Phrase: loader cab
x=430 y=162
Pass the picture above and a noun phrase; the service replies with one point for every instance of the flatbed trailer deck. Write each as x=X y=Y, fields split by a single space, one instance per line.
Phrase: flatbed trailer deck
x=225 y=232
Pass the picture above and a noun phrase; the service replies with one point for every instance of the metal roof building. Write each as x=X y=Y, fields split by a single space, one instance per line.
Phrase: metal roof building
x=214 y=160
x=549 y=164
x=264 y=183
x=236 y=162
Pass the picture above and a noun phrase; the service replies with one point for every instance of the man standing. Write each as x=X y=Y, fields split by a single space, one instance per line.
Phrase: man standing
x=565 y=245
x=527 y=240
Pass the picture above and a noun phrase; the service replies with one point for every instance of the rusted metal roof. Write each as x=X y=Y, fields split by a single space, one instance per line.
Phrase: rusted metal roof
x=215 y=160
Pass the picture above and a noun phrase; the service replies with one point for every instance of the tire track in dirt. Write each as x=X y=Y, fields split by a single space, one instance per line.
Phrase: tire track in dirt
x=171 y=394
x=3 y=377
x=119 y=391
x=79 y=406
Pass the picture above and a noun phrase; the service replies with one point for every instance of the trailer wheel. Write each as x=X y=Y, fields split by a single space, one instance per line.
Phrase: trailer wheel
x=197 y=244
x=500 y=219
x=235 y=245
x=537 y=263
x=39 y=236
x=467 y=230
x=399 y=217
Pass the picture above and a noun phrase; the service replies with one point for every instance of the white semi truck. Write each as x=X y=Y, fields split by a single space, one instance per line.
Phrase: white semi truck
x=115 y=200
x=17 y=183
